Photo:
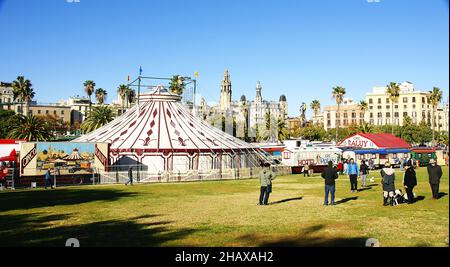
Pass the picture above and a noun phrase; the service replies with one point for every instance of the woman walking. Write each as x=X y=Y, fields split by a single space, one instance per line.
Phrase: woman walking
x=409 y=181
x=388 y=178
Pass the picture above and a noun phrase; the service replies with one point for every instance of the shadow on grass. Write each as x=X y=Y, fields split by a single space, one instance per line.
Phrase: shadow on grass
x=364 y=188
x=37 y=230
x=345 y=200
x=441 y=195
x=309 y=237
x=18 y=200
x=285 y=200
x=419 y=198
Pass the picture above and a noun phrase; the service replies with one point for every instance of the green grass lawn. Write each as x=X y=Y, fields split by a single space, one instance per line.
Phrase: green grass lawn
x=223 y=213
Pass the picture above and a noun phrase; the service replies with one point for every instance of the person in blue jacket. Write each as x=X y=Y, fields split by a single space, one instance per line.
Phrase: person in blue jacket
x=353 y=172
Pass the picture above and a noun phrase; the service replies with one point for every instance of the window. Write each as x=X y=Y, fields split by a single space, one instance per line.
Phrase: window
x=396 y=114
x=396 y=106
x=414 y=99
x=414 y=106
x=353 y=114
x=370 y=101
x=379 y=115
x=46 y=112
x=62 y=112
x=423 y=99
x=405 y=106
x=54 y=112
x=378 y=107
x=405 y=114
x=39 y=111
x=388 y=107
x=405 y=100
x=387 y=100
x=388 y=114
x=371 y=115
x=371 y=107
x=379 y=100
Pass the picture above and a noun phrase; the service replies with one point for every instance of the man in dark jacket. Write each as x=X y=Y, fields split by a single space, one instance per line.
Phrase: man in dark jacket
x=434 y=175
x=329 y=174
x=364 y=170
x=409 y=181
x=265 y=178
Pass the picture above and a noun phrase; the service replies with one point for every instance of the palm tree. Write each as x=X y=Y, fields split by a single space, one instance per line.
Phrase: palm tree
x=100 y=94
x=315 y=106
x=97 y=118
x=130 y=96
x=30 y=128
x=89 y=88
x=338 y=95
x=363 y=107
x=122 y=92
x=23 y=92
x=177 y=85
x=435 y=98
x=393 y=91
x=282 y=132
x=267 y=119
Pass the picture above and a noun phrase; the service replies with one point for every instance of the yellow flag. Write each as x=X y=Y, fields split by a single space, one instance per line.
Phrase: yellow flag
x=196 y=74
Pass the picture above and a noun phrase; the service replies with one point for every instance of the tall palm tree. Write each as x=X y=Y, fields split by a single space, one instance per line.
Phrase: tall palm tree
x=315 y=106
x=100 y=94
x=98 y=117
x=130 y=96
x=268 y=120
x=393 y=91
x=122 y=92
x=338 y=95
x=363 y=107
x=244 y=110
x=30 y=128
x=435 y=98
x=23 y=92
x=89 y=88
x=177 y=85
x=282 y=132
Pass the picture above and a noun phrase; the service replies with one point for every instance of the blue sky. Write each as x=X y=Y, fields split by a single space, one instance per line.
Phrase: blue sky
x=300 y=48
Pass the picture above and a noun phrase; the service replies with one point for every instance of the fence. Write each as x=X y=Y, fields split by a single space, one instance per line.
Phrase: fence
x=141 y=174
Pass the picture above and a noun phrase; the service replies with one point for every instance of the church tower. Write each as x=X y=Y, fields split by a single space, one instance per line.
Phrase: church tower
x=258 y=98
x=225 y=92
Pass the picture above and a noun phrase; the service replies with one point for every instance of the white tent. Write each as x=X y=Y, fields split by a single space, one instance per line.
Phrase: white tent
x=161 y=134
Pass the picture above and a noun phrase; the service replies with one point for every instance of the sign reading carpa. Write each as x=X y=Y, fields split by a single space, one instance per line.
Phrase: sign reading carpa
x=28 y=158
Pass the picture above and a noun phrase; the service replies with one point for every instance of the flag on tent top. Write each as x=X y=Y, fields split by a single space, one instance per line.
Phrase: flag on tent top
x=140 y=70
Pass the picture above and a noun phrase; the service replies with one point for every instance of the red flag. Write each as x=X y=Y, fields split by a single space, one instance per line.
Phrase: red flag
x=128 y=77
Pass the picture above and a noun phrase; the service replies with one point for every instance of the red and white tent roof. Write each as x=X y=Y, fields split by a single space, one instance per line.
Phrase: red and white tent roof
x=160 y=123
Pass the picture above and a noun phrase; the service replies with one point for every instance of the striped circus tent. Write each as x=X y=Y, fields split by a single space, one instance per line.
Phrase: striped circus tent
x=161 y=134
x=75 y=155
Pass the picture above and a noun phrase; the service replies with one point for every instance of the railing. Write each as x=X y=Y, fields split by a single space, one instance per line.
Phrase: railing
x=142 y=174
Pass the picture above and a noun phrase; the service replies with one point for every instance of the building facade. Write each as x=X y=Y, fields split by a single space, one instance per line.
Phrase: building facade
x=349 y=113
x=411 y=103
x=56 y=111
x=6 y=96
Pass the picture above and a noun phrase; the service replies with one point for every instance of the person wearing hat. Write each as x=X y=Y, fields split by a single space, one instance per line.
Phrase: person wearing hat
x=388 y=180
x=266 y=176
x=434 y=176
x=409 y=181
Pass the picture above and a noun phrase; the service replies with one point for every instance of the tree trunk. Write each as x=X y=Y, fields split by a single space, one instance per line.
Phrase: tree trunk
x=392 y=116
x=433 y=121
x=337 y=123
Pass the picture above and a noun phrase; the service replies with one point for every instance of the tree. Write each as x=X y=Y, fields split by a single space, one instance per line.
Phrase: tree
x=100 y=95
x=7 y=120
x=338 y=95
x=282 y=132
x=23 y=92
x=177 y=85
x=89 y=88
x=56 y=124
x=122 y=92
x=268 y=121
x=363 y=107
x=30 y=128
x=393 y=92
x=435 y=98
x=315 y=106
x=443 y=139
x=130 y=96
x=366 y=128
x=98 y=117
x=313 y=133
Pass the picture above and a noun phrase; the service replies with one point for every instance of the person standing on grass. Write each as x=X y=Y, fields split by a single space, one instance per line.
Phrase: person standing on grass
x=340 y=167
x=330 y=175
x=434 y=176
x=306 y=170
x=130 y=176
x=388 y=180
x=409 y=181
x=48 y=179
x=266 y=176
x=364 y=170
x=3 y=174
x=352 y=172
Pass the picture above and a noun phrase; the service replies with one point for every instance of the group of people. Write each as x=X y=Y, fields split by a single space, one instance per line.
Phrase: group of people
x=391 y=196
